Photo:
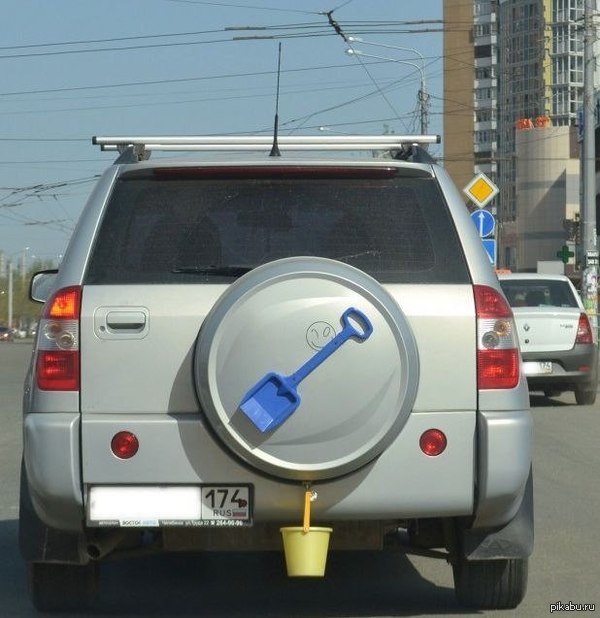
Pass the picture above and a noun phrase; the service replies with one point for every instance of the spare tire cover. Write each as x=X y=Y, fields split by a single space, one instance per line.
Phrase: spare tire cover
x=274 y=319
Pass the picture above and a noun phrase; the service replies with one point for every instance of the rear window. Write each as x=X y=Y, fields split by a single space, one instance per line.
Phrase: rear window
x=536 y=293
x=188 y=225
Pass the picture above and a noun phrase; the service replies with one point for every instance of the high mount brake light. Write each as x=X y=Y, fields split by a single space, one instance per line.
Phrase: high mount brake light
x=498 y=358
x=584 y=330
x=57 y=367
x=275 y=171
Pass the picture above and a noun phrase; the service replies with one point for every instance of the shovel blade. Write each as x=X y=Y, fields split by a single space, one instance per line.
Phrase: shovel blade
x=270 y=401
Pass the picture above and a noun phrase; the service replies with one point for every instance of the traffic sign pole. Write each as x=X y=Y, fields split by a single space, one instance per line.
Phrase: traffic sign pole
x=588 y=207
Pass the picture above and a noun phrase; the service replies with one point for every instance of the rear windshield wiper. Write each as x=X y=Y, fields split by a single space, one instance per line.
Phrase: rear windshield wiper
x=216 y=271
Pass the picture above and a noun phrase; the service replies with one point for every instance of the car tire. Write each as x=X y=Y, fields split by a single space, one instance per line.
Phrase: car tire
x=60 y=587
x=585 y=397
x=490 y=584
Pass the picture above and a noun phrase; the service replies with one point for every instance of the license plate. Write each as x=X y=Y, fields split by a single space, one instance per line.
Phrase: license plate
x=152 y=506
x=537 y=368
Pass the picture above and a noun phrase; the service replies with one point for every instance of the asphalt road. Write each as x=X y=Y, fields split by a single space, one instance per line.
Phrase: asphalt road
x=564 y=567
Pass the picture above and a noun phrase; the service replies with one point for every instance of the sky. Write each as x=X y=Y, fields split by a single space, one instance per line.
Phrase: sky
x=72 y=69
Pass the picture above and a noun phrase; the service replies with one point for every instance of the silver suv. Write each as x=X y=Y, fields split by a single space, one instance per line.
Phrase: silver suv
x=229 y=334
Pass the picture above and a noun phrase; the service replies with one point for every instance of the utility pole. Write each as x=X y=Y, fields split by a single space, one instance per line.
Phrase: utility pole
x=423 y=104
x=589 y=282
x=10 y=295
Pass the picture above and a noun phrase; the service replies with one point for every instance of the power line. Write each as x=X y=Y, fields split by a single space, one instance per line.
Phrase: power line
x=180 y=80
x=289 y=91
x=339 y=31
x=318 y=30
x=242 y=6
x=106 y=49
x=109 y=40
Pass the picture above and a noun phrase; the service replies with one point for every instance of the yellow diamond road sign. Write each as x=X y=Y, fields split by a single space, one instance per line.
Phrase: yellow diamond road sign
x=481 y=190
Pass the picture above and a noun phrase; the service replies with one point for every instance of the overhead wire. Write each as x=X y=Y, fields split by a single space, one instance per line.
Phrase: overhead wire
x=21 y=196
x=180 y=80
x=107 y=40
x=339 y=31
x=204 y=99
x=291 y=31
x=241 y=6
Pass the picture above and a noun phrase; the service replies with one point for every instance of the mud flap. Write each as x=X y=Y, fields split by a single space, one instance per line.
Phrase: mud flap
x=513 y=540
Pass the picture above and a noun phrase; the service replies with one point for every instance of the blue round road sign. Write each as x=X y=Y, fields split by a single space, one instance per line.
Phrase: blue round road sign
x=484 y=222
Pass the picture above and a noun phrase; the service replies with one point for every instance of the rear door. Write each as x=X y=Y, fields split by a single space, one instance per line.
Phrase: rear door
x=174 y=239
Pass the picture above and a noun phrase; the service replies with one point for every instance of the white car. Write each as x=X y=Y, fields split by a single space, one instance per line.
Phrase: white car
x=558 y=344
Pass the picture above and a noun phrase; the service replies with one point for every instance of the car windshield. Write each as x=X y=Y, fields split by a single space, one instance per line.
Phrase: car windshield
x=536 y=293
x=192 y=225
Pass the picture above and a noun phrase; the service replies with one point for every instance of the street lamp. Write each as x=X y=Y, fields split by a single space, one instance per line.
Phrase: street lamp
x=10 y=284
x=422 y=96
x=355 y=39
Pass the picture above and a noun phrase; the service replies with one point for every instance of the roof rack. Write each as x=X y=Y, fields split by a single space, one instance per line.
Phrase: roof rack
x=138 y=148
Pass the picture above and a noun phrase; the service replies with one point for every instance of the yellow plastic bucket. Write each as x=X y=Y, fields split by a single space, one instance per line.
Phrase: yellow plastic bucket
x=305 y=552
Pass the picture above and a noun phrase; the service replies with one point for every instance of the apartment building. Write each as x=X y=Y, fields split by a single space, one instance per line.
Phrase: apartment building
x=526 y=76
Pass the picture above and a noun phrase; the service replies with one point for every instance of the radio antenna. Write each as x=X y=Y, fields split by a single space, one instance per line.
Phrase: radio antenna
x=275 y=148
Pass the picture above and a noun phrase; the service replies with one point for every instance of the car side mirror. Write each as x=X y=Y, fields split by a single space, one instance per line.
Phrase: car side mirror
x=41 y=285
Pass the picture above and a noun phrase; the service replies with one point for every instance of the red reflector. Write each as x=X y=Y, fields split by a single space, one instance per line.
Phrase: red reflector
x=124 y=444
x=64 y=304
x=433 y=442
x=58 y=371
x=498 y=368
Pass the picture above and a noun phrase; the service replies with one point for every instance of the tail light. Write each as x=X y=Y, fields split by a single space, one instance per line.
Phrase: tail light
x=498 y=358
x=57 y=367
x=584 y=330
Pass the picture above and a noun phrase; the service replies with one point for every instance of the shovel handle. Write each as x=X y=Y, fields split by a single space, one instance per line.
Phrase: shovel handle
x=306 y=518
x=362 y=320
x=350 y=317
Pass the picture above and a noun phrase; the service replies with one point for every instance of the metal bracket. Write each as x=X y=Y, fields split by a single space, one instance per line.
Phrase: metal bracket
x=131 y=153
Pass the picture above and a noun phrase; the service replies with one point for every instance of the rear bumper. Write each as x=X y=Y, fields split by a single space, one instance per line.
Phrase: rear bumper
x=402 y=483
x=578 y=366
x=51 y=456
x=505 y=454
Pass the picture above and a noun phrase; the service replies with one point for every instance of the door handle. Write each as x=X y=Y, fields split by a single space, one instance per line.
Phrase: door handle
x=121 y=322
x=126 y=321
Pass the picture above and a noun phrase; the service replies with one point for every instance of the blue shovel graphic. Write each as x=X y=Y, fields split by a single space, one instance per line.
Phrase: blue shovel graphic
x=274 y=397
